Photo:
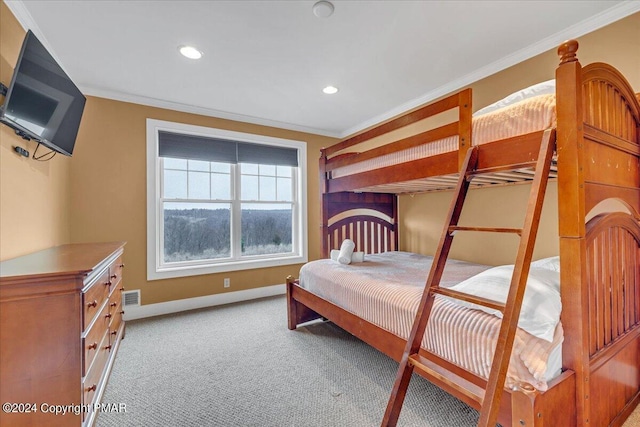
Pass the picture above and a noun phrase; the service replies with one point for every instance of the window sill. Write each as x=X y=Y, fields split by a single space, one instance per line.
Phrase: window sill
x=155 y=273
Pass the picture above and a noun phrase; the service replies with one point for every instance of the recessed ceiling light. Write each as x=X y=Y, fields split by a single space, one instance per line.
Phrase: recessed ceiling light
x=190 y=52
x=330 y=90
x=323 y=9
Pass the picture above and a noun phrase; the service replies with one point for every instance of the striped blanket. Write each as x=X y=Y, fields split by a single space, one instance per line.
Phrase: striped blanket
x=386 y=290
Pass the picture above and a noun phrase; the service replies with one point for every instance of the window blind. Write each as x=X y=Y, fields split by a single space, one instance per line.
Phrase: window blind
x=211 y=149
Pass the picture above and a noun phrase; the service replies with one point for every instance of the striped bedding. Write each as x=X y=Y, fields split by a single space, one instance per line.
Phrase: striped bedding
x=386 y=289
x=530 y=115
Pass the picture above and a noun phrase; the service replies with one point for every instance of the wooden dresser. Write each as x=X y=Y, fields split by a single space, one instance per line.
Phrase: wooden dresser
x=60 y=327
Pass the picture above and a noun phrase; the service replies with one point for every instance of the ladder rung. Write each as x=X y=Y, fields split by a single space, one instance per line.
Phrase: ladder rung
x=495 y=305
x=517 y=231
x=431 y=370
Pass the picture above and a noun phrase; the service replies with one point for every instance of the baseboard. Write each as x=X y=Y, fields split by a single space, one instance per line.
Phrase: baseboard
x=150 y=310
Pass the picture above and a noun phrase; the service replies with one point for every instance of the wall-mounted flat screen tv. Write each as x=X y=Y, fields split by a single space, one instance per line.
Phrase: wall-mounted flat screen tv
x=42 y=103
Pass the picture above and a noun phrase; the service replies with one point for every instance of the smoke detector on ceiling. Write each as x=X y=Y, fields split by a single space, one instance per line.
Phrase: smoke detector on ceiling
x=323 y=9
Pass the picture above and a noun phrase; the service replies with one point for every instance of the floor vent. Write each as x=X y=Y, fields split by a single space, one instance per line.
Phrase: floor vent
x=130 y=298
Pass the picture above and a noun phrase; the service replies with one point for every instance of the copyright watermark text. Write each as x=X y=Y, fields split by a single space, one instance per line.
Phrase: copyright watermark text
x=76 y=409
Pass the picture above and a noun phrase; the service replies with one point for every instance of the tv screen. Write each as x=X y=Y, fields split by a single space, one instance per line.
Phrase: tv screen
x=42 y=102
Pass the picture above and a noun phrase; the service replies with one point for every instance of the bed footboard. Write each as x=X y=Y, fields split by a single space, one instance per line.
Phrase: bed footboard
x=613 y=289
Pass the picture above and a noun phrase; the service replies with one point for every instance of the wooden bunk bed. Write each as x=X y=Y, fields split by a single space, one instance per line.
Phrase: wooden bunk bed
x=597 y=157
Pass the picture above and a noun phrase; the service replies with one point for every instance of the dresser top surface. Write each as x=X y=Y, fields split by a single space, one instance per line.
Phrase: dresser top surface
x=74 y=259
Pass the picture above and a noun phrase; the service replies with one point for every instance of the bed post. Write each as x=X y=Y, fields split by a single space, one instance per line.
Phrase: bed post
x=395 y=244
x=324 y=209
x=464 y=123
x=297 y=312
x=571 y=211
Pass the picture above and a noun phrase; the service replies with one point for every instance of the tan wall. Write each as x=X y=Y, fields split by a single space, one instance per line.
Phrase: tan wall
x=109 y=187
x=422 y=216
x=34 y=196
x=100 y=193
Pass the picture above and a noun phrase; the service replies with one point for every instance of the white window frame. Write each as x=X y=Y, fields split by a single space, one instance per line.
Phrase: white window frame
x=155 y=268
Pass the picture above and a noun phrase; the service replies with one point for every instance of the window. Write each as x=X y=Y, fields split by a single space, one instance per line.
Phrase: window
x=221 y=201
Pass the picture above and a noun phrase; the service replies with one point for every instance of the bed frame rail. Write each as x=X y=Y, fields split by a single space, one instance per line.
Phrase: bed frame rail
x=448 y=162
x=462 y=127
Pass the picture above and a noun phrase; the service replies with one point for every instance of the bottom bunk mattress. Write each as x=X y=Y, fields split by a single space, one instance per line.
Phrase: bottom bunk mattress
x=386 y=290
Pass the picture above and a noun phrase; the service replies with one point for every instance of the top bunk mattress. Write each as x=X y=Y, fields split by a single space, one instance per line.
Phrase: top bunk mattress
x=529 y=115
x=386 y=290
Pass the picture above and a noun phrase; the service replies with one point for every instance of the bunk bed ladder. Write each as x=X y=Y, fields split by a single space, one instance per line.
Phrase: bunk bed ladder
x=489 y=398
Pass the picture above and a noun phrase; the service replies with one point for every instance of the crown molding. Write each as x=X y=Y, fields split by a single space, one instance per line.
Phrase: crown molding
x=591 y=24
x=204 y=111
x=20 y=11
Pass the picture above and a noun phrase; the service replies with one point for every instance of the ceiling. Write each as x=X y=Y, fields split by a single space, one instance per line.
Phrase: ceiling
x=266 y=62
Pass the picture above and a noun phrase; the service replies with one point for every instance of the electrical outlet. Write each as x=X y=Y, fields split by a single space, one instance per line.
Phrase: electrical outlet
x=227 y=282
x=21 y=151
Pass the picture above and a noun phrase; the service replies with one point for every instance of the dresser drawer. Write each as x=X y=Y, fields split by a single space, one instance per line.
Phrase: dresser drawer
x=92 y=339
x=91 y=381
x=94 y=297
x=115 y=306
x=115 y=274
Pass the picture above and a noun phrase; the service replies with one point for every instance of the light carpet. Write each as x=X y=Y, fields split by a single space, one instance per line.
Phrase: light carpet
x=239 y=365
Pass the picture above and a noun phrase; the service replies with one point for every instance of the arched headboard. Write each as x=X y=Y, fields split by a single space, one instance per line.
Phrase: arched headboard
x=369 y=219
x=611 y=113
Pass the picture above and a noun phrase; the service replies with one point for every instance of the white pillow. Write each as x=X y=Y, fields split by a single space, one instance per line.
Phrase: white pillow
x=543 y=88
x=540 y=312
x=551 y=263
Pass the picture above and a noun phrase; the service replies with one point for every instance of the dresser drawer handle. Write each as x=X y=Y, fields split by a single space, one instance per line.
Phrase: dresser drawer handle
x=114 y=332
x=92 y=304
x=92 y=388
x=108 y=347
x=122 y=265
x=122 y=312
x=113 y=304
x=122 y=289
x=107 y=283
x=108 y=315
x=114 y=276
x=93 y=346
